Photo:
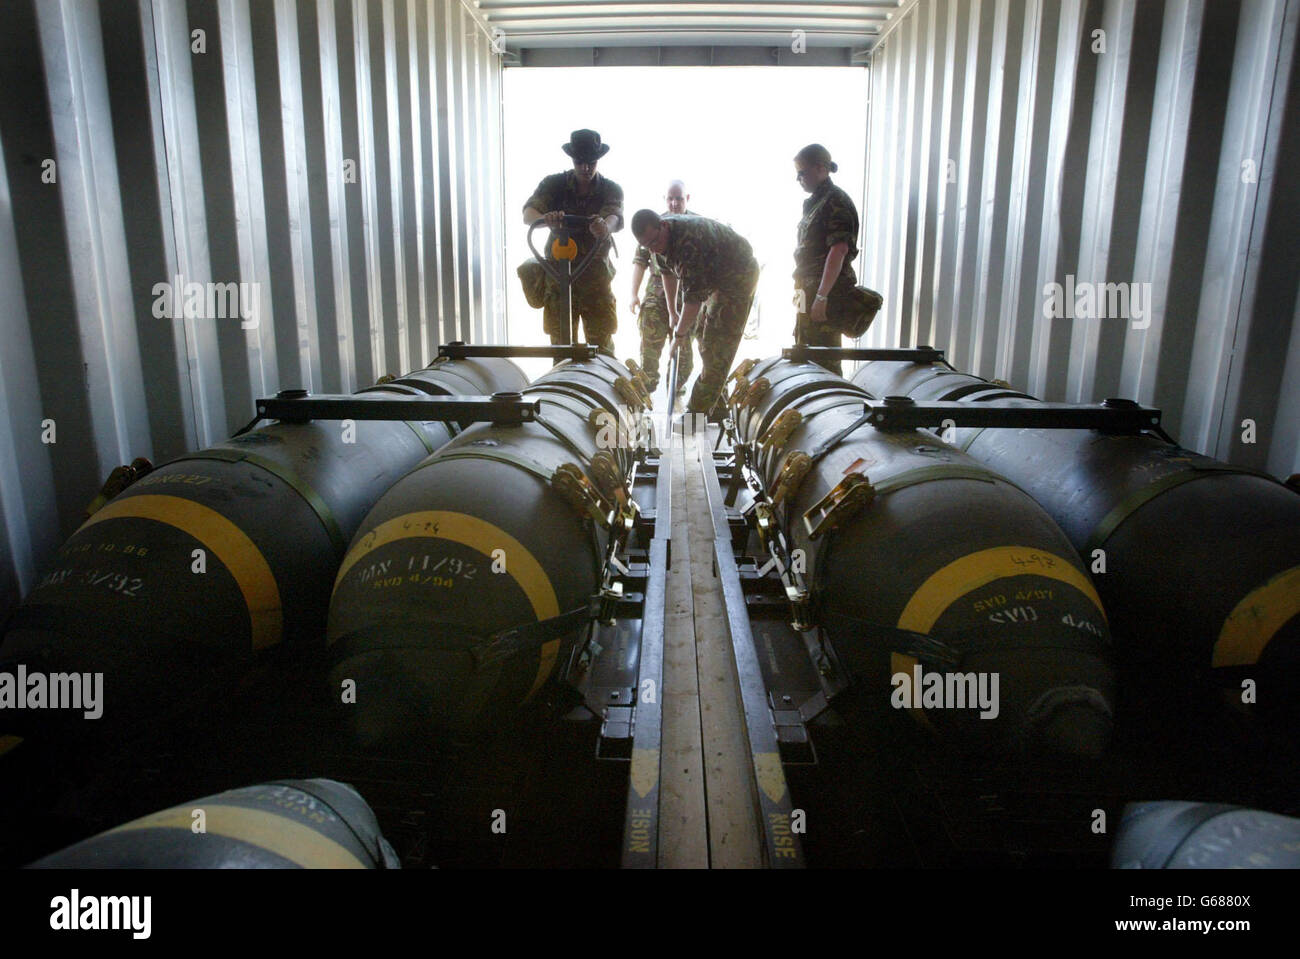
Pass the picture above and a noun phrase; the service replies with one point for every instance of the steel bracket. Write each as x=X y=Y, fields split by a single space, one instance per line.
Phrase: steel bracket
x=1112 y=416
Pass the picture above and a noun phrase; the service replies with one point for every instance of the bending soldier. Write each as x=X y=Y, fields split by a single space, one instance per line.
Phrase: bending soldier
x=655 y=319
x=706 y=258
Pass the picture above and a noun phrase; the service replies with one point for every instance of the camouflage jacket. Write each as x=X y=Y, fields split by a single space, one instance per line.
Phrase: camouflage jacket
x=560 y=192
x=706 y=255
x=643 y=257
x=829 y=217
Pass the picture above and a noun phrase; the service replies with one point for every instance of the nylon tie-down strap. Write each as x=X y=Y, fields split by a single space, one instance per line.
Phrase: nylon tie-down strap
x=485 y=650
x=837 y=438
x=488 y=653
x=1140 y=497
x=517 y=460
x=294 y=481
x=527 y=464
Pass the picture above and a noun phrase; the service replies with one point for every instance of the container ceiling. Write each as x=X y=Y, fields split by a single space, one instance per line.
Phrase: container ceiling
x=541 y=32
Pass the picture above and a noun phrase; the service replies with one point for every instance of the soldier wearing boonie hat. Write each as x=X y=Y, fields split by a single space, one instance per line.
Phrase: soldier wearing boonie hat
x=583 y=192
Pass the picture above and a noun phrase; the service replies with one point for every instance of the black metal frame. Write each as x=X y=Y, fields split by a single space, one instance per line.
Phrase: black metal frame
x=631 y=726
x=459 y=350
x=781 y=846
x=641 y=822
x=921 y=354
x=299 y=406
x=1112 y=416
x=624 y=651
x=624 y=645
x=760 y=603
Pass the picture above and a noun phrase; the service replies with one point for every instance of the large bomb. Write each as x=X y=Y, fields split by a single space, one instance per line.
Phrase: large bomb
x=295 y=824
x=174 y=586
x=470 y=580
x=908 y=540
x=1187 y=835
x=1197 y=562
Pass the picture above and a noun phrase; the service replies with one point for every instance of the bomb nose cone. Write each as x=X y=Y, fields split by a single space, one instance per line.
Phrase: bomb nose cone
x=1069 y=721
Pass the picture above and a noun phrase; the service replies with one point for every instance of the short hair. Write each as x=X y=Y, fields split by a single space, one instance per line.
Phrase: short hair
x=643 y=220
x=817 y=154
x=673 y=183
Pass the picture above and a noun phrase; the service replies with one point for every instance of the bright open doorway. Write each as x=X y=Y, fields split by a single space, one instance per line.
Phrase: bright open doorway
x=729 y=132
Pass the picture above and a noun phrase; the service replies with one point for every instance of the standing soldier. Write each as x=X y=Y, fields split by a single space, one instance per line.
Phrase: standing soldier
x=828 y=241
x=654 y=319
x=707 y=258
x=584 y=192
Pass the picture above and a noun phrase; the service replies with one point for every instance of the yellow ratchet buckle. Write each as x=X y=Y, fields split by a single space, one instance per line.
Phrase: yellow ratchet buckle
x=847 y=497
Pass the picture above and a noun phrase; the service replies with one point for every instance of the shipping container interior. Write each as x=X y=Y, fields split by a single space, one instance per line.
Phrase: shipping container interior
x=206 y=202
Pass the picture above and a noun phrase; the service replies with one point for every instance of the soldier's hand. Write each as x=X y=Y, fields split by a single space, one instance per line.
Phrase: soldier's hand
x=818 y=312
x=555 y=219
x=599 y=228
x=634 y=304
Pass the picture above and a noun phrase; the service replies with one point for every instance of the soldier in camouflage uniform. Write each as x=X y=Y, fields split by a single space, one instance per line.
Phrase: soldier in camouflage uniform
x=827 y=244
x=584 y=192
x=654 y=319
x=707 y=258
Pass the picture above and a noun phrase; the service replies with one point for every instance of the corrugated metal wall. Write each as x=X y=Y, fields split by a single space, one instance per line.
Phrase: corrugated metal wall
x=1008 y=150
x=339 y=156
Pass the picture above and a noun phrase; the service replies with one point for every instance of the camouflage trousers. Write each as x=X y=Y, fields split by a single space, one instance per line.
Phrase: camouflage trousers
x=656 y=328
x=719 y=339
x=821 y=334
x=593 y=305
